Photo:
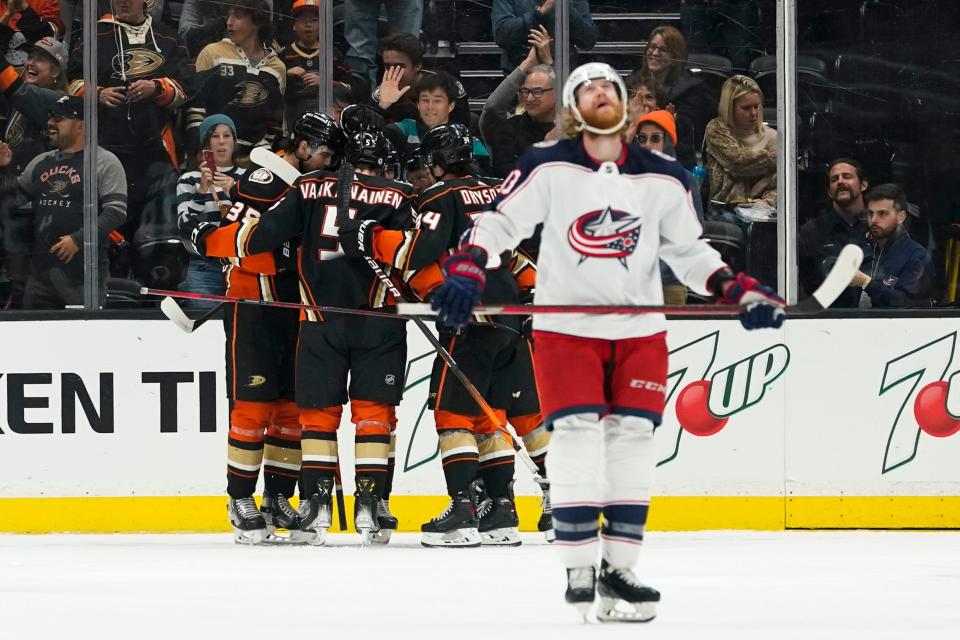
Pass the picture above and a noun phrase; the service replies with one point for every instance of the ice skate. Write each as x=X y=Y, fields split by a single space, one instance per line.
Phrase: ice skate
x=365 y=509
x=387 y=521
x=283 y=521
x=499 y=522
x=581 y=588
x=624 y=598
x=545 y=523
x=455 y=527
x=316 y=513
x=248 y=524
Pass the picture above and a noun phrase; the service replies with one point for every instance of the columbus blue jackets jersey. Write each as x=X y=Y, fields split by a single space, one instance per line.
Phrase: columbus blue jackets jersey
x=604 y=227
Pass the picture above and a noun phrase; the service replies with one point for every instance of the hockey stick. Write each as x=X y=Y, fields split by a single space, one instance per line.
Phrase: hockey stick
x=189 y=295
x=848 y=263
x=344 y=188
x=176 y=315
x=341 y=505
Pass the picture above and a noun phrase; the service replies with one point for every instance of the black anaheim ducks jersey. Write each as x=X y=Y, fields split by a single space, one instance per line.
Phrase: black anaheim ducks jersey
x=444 y=212
x=309 y=209
x=251 y=94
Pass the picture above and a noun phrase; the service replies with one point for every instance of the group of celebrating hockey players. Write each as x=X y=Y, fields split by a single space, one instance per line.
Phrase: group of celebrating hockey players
x=287 y=243
x=608 y=211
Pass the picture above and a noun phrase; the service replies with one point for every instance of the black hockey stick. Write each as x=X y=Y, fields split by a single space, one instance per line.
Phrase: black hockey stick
x=341 y=504
x=177 y=316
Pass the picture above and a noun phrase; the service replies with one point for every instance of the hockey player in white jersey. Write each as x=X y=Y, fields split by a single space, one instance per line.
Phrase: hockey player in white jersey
x=609 y=211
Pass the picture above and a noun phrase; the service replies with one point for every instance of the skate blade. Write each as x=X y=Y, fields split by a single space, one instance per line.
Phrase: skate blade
x=549 y=535
x=381 y=537
x=287 y=536
x=507 y=537
x=584 y=609
x=616 y=610
x=313 y=537
x=248 y=536
x=458 y=538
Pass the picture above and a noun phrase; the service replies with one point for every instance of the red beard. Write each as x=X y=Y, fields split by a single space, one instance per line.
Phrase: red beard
x=605 y=118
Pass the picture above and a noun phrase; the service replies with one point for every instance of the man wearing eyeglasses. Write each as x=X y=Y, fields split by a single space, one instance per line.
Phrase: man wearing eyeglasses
x=531 y=83
x=54 y=182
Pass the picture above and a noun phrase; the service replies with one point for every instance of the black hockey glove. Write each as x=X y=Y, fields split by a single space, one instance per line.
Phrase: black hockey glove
x=464 y=278
x=193 y=234
x=762 y=307
x=356 y=237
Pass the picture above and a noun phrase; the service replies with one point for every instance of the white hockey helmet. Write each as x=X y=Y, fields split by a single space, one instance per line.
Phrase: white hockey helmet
x=584 y=74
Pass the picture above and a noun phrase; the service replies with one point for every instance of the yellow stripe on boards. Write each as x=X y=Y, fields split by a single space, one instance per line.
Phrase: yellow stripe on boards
x=170 y=514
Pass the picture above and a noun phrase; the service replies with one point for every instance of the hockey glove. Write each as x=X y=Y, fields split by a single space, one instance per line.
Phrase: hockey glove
x=356 y=237
x=464 y=277
x=762 y=307
x=194 y=234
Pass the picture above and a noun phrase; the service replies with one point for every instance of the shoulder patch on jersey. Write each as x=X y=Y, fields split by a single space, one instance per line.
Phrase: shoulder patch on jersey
x=545 y=143
x=261 y=176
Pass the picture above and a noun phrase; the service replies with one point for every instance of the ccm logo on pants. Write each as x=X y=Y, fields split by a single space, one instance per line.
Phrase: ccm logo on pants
x=648 y=385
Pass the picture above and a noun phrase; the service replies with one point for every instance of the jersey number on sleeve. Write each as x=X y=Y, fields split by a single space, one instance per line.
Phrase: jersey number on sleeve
x=328 y=245
x=430 y=219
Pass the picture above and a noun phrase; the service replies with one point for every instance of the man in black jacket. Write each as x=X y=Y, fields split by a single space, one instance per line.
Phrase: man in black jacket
x=842 y=222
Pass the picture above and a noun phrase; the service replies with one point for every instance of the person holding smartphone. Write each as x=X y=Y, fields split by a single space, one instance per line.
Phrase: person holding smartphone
x=205 y=194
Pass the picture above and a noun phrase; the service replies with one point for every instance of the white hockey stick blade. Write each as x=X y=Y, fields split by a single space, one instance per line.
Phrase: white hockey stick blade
x=275 y=164
x=847 y=264
x=176 y=315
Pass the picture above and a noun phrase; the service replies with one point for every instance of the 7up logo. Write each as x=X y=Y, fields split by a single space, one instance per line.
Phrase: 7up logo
x=930 y=398
x=706 y=397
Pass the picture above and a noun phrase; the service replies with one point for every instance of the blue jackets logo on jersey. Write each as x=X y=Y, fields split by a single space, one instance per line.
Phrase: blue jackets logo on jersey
x=605 y=233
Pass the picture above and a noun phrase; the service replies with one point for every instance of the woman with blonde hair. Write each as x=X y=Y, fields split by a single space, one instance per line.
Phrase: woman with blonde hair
x=741 y=149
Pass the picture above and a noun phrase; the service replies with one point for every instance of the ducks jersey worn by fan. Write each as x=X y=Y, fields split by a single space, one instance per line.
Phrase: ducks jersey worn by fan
x=369 y=353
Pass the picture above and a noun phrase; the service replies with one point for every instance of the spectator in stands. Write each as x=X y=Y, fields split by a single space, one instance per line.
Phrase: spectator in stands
x=29 y=99
x=302 y=59
x=360 y=29
x=23 y=22
x=657 y=131
x=897 y=271
x=513 y=19
x=195 y=199
x=533 y=85
x=142 y=75
x=403 y=68
x=665 y=58
x=54 y=182
x=843 y=222
x=436 y=98
x=242 y=77
x=741 y=149
x=202 y=22
x=644 y=97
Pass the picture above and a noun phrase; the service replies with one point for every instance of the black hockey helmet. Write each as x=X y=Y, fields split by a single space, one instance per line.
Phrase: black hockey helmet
x=447 y=144
x=319 y=130
x=391 y=161
x=366 y=148
x=361 y=117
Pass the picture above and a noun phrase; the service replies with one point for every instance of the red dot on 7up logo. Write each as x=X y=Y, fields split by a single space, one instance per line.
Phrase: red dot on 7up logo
x=705 y=401
x=930 y=400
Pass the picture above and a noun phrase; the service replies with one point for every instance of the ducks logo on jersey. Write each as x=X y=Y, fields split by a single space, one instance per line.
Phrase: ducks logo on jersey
x=605 y=233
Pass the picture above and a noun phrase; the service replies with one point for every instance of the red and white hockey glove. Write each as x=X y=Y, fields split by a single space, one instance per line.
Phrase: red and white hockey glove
x=464 y=278
x=762 y=307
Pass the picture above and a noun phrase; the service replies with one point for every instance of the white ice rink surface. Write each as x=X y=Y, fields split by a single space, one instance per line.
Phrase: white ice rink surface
x=714 y=585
